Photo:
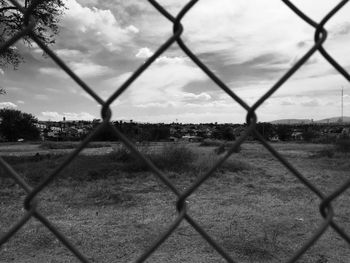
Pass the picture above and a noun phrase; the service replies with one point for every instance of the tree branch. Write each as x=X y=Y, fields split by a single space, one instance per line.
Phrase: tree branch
x=3 y=9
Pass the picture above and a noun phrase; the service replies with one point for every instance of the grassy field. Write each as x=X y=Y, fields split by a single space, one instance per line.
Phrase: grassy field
x=112 y=208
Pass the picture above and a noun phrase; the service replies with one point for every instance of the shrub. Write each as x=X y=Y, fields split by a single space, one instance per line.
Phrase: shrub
x=205 y=163
x=174 y=157
x=226 y=147
x=171 y=157
x=121 y=154
x=221 y=149
x=327 y=152
x=70 y=145
x=209 y=143
x=343 y=145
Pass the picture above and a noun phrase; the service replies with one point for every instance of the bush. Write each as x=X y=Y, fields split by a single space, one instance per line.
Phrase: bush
x=121 y=154
x=226 y=147
x=343 y=145
x=171 y=157
x=327 y=152
x=70 y=145
x=174 y=157
x=204 y=164
x=210 y=143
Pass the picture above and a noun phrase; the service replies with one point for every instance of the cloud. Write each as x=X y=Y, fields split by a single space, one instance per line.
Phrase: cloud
x=52 y=72
x=162 y=82
x=78 y=116
x=341 y=29
x=69 y=53
x=157 y=105
x=1 y=72
x=98 y=26
x=311 y=103
x=20 y=102
x=144 y=53
x=244 y=32
x=84 y=69
x=89 y=69
x=88 y=2
x=52 y=115
x=7 y=105
x=132 y=29
x=55 y=116
x=201 y=97
x=287 y=103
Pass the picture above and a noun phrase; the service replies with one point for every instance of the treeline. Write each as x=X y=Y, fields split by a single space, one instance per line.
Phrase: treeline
x=318 y=133
x=15 y=125
x=136 y=132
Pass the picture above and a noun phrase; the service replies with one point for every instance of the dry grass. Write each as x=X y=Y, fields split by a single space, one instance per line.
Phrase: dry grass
x=71 y=145
x=252 y=206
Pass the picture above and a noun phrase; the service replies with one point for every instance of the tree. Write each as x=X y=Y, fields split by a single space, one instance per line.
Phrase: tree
x=284 y=132
x=228 y=134
x=309 y=134
x=16 y=124
x=265 y=129
x=46 y=15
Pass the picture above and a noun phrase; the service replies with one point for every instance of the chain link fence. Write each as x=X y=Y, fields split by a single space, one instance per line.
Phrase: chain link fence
x=31 y=200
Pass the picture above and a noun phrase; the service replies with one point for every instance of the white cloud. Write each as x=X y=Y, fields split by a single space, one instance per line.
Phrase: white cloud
x=157 y=105
x=97 y=24
x=20 y=102
x=164 y=60
x=86 y=69
x=2 y=72
x=239 y=31
x=52 y=115
x=310 y=103
x=133 y=29
x=52 y=72
x=287 y=102
x=161 y=82
x=202 y=96
x=90 y=2
x=55 y=116
x=69 y=53
x=78 y=116
x=89 y=69
x=144 y=52
x=7 y=105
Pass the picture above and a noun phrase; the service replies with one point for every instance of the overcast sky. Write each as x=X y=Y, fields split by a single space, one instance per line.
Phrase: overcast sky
x=248 y=44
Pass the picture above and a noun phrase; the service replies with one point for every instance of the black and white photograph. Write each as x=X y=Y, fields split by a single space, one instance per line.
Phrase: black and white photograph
x=175 y=131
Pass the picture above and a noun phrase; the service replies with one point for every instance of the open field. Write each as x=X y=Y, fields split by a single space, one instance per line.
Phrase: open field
x=112 y=208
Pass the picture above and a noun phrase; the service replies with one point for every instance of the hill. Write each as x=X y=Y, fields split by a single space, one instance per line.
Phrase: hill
x=334 y=120
x=308 y=121
x=291 y=121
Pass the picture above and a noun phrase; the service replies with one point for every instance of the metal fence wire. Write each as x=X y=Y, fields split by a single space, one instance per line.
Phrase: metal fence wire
x=31 y=200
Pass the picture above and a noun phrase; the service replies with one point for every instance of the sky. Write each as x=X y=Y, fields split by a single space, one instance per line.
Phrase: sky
x=249 y=45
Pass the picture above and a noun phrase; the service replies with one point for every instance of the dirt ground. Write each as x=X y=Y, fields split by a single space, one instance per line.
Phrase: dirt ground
x=254 y=208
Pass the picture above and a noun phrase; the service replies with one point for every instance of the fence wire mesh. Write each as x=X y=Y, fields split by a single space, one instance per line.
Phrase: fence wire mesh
x=32 y=200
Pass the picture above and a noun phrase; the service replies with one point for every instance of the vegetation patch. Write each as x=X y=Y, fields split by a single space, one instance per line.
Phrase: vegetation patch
x=51 y=145
x=171 y=157
x=254 y=217
x=211 y=143
x=343 y=145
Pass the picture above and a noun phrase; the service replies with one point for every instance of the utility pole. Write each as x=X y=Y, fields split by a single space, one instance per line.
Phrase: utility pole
x=342 y=104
